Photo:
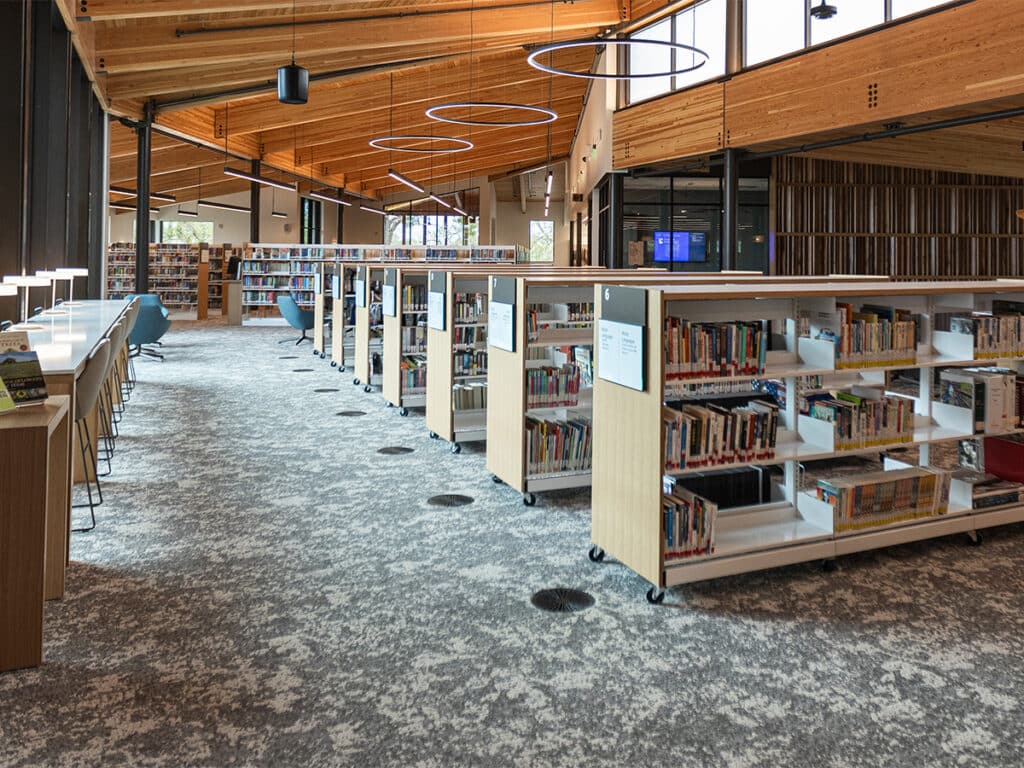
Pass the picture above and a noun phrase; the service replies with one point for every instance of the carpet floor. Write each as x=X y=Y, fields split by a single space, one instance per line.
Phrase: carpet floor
x=265 y=588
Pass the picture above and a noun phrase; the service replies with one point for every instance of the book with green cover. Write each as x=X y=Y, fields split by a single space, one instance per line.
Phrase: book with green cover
x=7 y=403
x=23 y=377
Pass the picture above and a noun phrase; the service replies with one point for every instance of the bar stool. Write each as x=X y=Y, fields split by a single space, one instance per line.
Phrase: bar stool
x=110 y=415
x=127 y=363
x=87 y=392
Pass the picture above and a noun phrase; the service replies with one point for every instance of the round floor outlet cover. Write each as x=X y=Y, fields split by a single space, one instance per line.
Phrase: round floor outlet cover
x=350 y=413
x=560 y=600
x=394 y=450
x=450 y=500
x=327 y=389
x=301 y=370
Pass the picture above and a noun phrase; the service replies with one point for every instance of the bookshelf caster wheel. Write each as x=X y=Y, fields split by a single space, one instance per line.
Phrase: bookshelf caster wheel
x=434 y=435
x=389 y=405
x=596 y=555
x=315 y=353
x=529 y=499
x=334 y=364
x=403 y=411
x=355 y=382
x=341 y=368
x=975 y=537
x=496 y=480
x=456 y=448
x=367 y=388
x=323 y=355
x=655 y=596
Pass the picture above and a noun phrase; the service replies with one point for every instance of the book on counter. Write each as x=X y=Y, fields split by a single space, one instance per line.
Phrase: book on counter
x=20 y=371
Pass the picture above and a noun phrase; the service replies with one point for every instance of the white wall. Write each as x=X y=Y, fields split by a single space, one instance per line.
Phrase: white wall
x=513 y=226
x=595 y=128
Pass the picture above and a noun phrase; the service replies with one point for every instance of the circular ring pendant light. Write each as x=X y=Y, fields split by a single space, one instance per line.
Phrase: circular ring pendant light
x=541 y=115
x=532 y=59
x=390 y=143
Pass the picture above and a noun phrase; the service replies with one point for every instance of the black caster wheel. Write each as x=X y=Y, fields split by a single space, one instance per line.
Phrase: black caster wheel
x=367 y=388
x=829 y=565
x=529 y=499
x=655 y=596
x=456 y=448
x=975 y=538
x=403 y=411
x=341 y=368
x=355 y=382
x=596 y=555
x=434 y=435
x=389 y=405
x=323 y=355
x=334 y=364
x=496 y=480
x=315 y=353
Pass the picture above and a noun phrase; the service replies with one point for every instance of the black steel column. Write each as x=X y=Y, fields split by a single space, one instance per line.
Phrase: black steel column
x=578 y=259
x=254 y=204
x=96 y=247
x=614 y=248
x=341 y=221
x=144 y=130
x=730 y=207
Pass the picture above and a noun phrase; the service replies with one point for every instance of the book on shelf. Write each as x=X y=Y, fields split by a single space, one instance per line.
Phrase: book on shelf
x=22 y=376
x=996 y=334
x=470 y=307
x=557 y=445
x=552 y=387
x=470 y=363
x=469 y=396
x=710 y=434
x=469 y=335
x=875 y=336
x=861 y=421
x=987 y=490
x=993 y=395
x=414 y=298
x=699 y=349
x=688 y=524
x=583 y=358
x=730 y=487
x=883 y=498
x=414 y=338
x=414 y=372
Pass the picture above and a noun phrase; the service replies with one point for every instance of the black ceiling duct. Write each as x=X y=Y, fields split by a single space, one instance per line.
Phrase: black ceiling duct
x=292 y=84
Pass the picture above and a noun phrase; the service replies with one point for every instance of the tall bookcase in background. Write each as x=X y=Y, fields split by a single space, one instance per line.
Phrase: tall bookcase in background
x=652 y=365
x=173 y=272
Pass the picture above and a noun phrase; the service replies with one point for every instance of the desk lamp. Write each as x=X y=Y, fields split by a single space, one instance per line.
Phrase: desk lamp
x=53 y=276
x=27 y=282
x=73 y=272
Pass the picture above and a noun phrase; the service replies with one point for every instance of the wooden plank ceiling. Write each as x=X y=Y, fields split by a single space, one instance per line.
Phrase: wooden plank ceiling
x=209 y=67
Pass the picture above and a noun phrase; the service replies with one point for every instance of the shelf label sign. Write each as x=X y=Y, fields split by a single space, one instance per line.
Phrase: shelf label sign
x=360 y=287
x=388 y=300
x=318 y=286
x=620 y=358
x=336 y=286
x=435 y=310
x=501 y=325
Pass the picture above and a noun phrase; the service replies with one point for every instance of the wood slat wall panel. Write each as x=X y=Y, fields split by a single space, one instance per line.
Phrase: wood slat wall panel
x=871 y=219
x=678 y=125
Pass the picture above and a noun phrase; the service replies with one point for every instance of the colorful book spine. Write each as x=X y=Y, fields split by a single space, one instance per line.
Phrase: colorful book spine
x=557 y=445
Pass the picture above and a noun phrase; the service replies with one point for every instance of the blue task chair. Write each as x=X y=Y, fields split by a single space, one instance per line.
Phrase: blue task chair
x=152 y=323
x=300 y=319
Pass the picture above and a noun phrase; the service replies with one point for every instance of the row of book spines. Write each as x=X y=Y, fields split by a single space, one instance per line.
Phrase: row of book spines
x=918 y=492
x=469 y=363
x=994 y=335
x=688 y=525
x=696 y=349
x=552 y=387
x=469 y=396
x=469 y=308
x=878 y=341
x=580 y=312
x=469 y=335
x=861 y=421
x=555 y=445
x=699 y=436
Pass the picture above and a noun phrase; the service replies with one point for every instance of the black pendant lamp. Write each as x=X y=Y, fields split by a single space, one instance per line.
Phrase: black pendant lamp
x=292 y=80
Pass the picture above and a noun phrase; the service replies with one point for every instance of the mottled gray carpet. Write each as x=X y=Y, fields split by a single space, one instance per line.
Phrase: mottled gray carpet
x=265 y=589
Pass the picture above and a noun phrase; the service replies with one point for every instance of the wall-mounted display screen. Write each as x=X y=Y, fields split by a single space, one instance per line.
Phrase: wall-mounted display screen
x=680 y=246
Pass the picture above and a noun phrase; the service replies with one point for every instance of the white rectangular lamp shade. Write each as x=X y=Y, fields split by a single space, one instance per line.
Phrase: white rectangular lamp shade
x=73 y=272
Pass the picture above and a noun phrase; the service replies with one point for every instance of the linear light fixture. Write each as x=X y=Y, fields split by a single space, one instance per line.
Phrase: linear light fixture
x=259 y=179
x=194 y=214
x=279 y=214
x=459 y=211
x=330 y=198
x=152 y=195
x=371 y=209
x=405 y=180
x=437 y=199
x=128 y=206
x=223 y=206
x=551 y=176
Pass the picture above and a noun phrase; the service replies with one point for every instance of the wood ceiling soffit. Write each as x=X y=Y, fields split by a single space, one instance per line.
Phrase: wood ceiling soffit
x=141 y=45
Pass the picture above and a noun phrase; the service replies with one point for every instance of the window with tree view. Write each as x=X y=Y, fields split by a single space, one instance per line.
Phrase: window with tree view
x=188 y=232
x=542 y=240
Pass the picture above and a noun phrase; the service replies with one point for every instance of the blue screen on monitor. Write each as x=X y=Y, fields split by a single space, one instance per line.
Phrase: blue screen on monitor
x=680 y=246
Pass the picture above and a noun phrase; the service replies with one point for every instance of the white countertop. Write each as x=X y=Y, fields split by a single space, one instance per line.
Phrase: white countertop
x=66 y=340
